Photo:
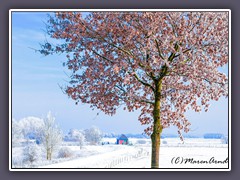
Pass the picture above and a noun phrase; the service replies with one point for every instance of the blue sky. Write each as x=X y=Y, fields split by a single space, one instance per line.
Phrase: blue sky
x=35 y=88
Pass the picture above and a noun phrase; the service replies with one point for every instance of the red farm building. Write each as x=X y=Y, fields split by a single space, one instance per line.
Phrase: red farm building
x=122 y=139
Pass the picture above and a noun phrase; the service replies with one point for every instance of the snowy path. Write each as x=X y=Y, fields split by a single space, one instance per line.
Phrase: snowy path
x=99 y=160
x=195 y=153
x=141 y=162
x=124 y=157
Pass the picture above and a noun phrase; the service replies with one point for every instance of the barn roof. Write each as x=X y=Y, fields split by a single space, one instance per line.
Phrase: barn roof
x=123 y=137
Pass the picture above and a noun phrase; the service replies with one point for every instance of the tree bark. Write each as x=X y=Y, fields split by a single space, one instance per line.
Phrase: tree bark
x=47 y=155
x=157 y=127
x=155 y=150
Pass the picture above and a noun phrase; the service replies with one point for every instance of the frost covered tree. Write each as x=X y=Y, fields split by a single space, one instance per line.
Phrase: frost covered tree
x=77 y=135
x=93 y=135
x=32 y=127
x=16 y=132
x=161 y=63
x=52 y=136
x=81 y=139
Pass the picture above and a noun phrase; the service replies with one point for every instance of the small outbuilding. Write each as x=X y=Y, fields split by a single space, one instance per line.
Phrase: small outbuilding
x=122 y=139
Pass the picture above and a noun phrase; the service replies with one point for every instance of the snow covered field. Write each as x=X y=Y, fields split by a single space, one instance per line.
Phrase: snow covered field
x=194 y=153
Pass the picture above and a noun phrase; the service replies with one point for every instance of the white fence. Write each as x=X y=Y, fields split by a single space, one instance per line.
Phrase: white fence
x=124 y=159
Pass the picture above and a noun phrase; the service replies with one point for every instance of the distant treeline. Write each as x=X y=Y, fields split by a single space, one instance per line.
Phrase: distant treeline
x=131 y=135
x=213 y=136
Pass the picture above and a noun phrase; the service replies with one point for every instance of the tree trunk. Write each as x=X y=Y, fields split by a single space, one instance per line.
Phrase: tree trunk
x=157 y=127
x=155 y=150
x=47 y=155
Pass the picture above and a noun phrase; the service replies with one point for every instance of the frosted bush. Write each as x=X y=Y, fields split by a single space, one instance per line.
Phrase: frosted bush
x=65 y=152
x=17 y=161
x=31 y=154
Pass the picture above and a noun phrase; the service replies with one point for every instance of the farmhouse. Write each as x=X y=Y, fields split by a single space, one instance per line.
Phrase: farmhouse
x=122 y=139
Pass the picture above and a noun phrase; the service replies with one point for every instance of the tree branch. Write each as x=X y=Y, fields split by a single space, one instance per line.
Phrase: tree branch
x=95 y=52
x=134 y=99
x=203 y=78
x=182 y=52
x=159 y=51
x=196 y=23
x=144 y=83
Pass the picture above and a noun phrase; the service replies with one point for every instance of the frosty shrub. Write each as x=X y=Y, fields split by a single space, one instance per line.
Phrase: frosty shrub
x=31 y=153
x=65 y=152
x=17 y=161
x=141 y=141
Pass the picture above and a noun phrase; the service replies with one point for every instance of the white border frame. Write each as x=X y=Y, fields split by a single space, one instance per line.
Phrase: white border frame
x=114 y=10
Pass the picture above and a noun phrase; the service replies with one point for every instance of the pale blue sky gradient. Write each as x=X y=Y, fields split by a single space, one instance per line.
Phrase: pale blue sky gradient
x=35 y=89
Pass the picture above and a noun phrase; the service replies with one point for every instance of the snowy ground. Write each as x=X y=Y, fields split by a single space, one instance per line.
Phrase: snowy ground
x=194 y=153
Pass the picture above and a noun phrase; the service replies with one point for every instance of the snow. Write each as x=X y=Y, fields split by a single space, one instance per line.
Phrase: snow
x=173 y=154
x=96 y=157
